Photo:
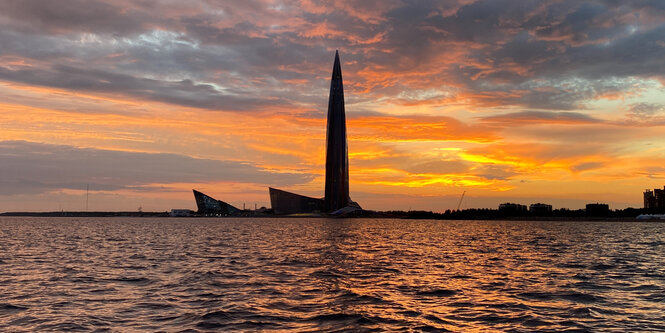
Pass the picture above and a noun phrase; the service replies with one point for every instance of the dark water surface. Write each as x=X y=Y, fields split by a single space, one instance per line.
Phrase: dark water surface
x=200 y=275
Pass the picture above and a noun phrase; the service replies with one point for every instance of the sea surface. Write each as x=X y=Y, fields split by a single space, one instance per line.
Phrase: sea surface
x=329 y=275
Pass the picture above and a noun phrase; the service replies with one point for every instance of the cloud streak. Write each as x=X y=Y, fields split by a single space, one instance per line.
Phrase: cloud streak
x=27 y=167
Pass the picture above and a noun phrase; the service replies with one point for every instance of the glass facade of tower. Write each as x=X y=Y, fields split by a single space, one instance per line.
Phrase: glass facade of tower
x=337 y=161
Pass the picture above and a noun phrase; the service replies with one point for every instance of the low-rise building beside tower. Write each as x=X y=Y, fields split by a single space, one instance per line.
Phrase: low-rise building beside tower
x=654 y=200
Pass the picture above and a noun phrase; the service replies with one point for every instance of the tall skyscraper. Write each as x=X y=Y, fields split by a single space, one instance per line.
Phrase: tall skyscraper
x=337 y=162
x=337 y=157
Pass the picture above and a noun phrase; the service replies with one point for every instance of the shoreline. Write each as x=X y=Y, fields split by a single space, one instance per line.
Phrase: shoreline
x=378 y=215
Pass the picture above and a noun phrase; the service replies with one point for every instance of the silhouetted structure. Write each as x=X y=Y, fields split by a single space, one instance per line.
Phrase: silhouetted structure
x=540 y=209
x=337 y=159
x=337 y=162
x=511 y=208
x=660 y=198
x=210 y=206
x=597 y=209
x=654 y=200
x=290 y=203
x=649 y=199
x=180 y=212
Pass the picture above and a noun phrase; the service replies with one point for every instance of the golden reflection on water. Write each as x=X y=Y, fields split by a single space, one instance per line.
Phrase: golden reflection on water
x=329 y=275
x=508 y=271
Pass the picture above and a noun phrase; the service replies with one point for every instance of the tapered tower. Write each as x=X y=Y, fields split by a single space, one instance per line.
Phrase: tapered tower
x=337 y=159
x=336 y=201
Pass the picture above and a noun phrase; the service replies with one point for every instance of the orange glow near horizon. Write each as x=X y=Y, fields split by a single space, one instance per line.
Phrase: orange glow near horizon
x=300 y=140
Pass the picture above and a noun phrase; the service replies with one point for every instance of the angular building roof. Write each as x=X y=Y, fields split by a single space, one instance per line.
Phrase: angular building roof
x=208 y=205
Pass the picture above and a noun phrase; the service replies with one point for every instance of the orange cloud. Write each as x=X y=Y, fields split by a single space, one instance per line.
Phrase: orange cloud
x=416 y=128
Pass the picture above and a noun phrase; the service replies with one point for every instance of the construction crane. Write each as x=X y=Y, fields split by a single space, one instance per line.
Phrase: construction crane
x=460 y=200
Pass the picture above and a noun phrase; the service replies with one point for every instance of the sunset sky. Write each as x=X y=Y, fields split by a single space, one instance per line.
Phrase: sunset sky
x=552 y=101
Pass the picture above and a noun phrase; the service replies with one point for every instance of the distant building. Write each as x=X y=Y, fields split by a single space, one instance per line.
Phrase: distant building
x=597 y=209
x=649 y=199
x=263 y=210
x=660 y=198
x=540 y=208
x=654 y=200
x=336 y=197
x=290 y=203
x=510 y=208
x=209 y=206
x=180 y=212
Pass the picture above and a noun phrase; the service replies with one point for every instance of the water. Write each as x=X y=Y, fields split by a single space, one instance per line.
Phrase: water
x=200 y=275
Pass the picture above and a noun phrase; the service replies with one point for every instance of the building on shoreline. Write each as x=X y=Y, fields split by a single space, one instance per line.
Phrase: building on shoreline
x=512 y=208
x=540 y=208
x=597 y=209
x=654 y=199
x=284 y=202
x=181 y=212
x=336 y=199
x=209 y=206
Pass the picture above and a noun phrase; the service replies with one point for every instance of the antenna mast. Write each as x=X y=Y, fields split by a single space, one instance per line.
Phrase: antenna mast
x=460 y=200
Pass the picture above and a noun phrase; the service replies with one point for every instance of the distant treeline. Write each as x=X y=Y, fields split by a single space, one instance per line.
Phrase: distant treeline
x=490 y=214
x=87 y=214
x=467 y=214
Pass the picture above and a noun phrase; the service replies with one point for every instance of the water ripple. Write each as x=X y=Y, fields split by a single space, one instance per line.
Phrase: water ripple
x=313 y=275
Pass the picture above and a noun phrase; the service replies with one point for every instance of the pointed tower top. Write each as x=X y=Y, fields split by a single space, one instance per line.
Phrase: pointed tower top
x=337 y=69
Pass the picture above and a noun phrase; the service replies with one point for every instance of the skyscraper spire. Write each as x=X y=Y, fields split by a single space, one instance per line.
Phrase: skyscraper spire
x=336 y=201
x=337 y=160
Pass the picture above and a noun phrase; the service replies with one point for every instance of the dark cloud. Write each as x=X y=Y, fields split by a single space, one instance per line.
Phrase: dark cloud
x=27 y=167
x=74 y=16
x=580 y=51
x=653 y=172
x=545 y=117
x=494 y=172
x=182 y=92
x=554 y=55
x=587 y=166
x=646 y=114
x=646 y=110
x=579 y=23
